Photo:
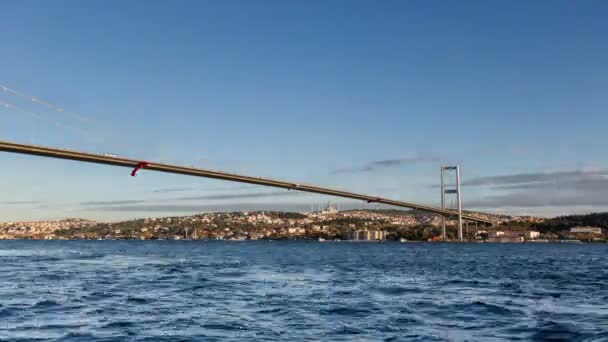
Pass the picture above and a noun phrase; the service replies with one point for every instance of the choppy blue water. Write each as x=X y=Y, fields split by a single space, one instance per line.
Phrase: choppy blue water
x=296 y=291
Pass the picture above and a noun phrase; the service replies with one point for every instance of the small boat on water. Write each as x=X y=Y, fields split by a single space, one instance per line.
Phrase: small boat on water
x=321 y=239
x=402 y=240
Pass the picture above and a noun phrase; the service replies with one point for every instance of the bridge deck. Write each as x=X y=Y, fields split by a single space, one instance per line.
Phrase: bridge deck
x=131 y=163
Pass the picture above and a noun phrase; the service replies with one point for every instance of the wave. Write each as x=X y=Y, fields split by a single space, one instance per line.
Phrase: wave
x=45 y=304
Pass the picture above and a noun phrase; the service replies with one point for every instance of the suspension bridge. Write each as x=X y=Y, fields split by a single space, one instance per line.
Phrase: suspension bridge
x=85 y=157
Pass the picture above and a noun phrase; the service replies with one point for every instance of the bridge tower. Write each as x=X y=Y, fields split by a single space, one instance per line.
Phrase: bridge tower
x=444 y=170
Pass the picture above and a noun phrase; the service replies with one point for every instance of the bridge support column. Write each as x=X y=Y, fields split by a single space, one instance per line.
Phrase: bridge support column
x=444 y=236
x=458 y=198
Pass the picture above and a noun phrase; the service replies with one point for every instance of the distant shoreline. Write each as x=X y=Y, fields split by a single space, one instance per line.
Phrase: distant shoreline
x=321 y=242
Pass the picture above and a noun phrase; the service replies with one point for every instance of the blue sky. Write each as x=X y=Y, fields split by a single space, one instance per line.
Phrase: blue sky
x=369 y=96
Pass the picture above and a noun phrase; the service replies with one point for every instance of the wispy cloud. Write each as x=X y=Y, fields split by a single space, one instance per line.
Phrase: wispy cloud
x=19 y=202
x=536 y=178
x=573 y=188
x=583 y=184
x=118 y=202
x=228 y=196
x=535 y=199
x=199 y=208
x=226 y=188
x=240 y=196
x=386 y=163
x=169 y=190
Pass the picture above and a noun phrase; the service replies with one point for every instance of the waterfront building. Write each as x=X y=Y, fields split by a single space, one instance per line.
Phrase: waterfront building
x=580 y=229
x=532 y=234
x=506 y=239
x=365 y=235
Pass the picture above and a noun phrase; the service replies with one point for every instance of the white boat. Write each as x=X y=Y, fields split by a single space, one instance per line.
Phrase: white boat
x=321 y=239
x=402 y=240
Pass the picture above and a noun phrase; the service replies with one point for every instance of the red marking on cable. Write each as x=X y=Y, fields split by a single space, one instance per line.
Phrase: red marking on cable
x=141 y=165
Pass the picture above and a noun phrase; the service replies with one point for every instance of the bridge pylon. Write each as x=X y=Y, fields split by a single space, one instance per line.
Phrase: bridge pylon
x=455 y=191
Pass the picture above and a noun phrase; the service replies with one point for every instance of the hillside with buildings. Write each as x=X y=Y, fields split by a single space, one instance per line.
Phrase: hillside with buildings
x=327 y=224
x=40 y=229
x=590 y=227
